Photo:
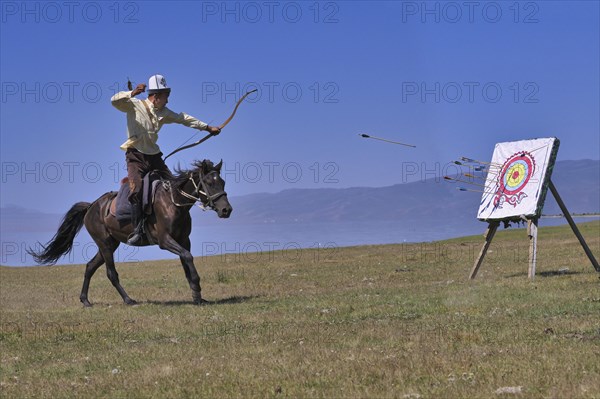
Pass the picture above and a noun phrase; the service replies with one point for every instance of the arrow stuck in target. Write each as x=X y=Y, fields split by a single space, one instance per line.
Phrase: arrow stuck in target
x=463 y=181
x=473 y=191
x=481 y=168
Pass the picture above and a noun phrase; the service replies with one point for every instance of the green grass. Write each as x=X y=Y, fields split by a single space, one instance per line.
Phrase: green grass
x=375 y=321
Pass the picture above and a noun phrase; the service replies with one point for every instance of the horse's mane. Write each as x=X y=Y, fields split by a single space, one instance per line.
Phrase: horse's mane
x=181 y=176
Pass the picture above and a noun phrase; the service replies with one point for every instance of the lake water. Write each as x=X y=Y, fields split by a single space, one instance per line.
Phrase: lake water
x=229 y=238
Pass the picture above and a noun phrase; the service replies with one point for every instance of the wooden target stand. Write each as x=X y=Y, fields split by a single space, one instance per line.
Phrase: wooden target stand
x=532 y=230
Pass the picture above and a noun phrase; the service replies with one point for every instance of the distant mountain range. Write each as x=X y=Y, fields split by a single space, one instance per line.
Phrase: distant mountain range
x=430 y=202
x=425 y=203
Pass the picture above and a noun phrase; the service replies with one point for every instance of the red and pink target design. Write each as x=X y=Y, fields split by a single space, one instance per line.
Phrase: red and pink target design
x=517 y=179
x=513 y=177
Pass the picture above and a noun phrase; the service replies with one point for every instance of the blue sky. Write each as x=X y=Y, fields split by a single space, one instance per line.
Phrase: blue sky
x=452 y=78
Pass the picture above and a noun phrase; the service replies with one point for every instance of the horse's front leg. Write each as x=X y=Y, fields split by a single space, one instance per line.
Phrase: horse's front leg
x=187 y=262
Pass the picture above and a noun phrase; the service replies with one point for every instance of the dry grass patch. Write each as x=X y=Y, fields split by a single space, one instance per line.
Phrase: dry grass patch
x=374 y=321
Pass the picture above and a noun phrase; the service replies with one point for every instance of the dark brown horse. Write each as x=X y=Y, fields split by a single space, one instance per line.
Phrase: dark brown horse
x=169 y=226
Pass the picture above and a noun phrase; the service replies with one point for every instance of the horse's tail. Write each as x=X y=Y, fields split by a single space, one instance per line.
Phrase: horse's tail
x=62 y=242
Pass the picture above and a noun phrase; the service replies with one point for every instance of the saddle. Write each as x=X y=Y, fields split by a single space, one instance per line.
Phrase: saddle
x=120 y=207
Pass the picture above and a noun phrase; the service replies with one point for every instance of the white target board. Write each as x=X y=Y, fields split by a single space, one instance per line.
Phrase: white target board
x=517 y=179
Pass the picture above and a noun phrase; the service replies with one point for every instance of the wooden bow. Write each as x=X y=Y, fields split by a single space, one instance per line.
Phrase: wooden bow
x=221 y=126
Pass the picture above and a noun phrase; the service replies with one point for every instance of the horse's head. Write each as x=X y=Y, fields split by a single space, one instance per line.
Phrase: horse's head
x=211 y=187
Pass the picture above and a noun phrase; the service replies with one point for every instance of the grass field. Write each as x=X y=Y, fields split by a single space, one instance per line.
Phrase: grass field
x=397 y=321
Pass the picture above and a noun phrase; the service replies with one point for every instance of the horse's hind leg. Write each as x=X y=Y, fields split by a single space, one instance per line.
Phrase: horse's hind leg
x=111 y=272
x=90 y=269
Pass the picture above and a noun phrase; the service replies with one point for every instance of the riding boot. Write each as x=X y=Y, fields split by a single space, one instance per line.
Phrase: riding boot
x=137 y=220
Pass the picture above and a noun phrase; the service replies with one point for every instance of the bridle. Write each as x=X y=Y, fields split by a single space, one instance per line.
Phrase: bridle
x=200 y=196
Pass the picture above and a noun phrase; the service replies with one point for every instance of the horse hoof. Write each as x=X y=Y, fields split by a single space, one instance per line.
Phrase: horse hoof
x=86 y=303
x=130 y=302
x=201 y=302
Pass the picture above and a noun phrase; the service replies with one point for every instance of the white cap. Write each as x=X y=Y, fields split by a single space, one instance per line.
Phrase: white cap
x=157 y=84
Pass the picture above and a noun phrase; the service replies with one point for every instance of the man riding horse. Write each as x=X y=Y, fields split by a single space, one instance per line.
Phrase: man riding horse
x=145 y=118
x=170 y=225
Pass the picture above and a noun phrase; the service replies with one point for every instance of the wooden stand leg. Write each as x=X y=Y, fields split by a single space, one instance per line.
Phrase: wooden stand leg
x=489 y=235
x=565 y=212
x=532 y=230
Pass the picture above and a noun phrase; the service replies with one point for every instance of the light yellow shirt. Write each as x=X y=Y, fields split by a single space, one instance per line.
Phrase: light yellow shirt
x=143 y=126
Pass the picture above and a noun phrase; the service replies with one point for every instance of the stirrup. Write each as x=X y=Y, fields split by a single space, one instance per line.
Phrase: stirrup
x=137 y=234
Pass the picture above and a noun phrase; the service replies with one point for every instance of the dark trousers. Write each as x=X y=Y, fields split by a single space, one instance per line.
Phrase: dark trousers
x=138 y=165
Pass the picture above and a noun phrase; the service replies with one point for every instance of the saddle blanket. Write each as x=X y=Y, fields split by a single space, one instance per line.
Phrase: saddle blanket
x=121 y=207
